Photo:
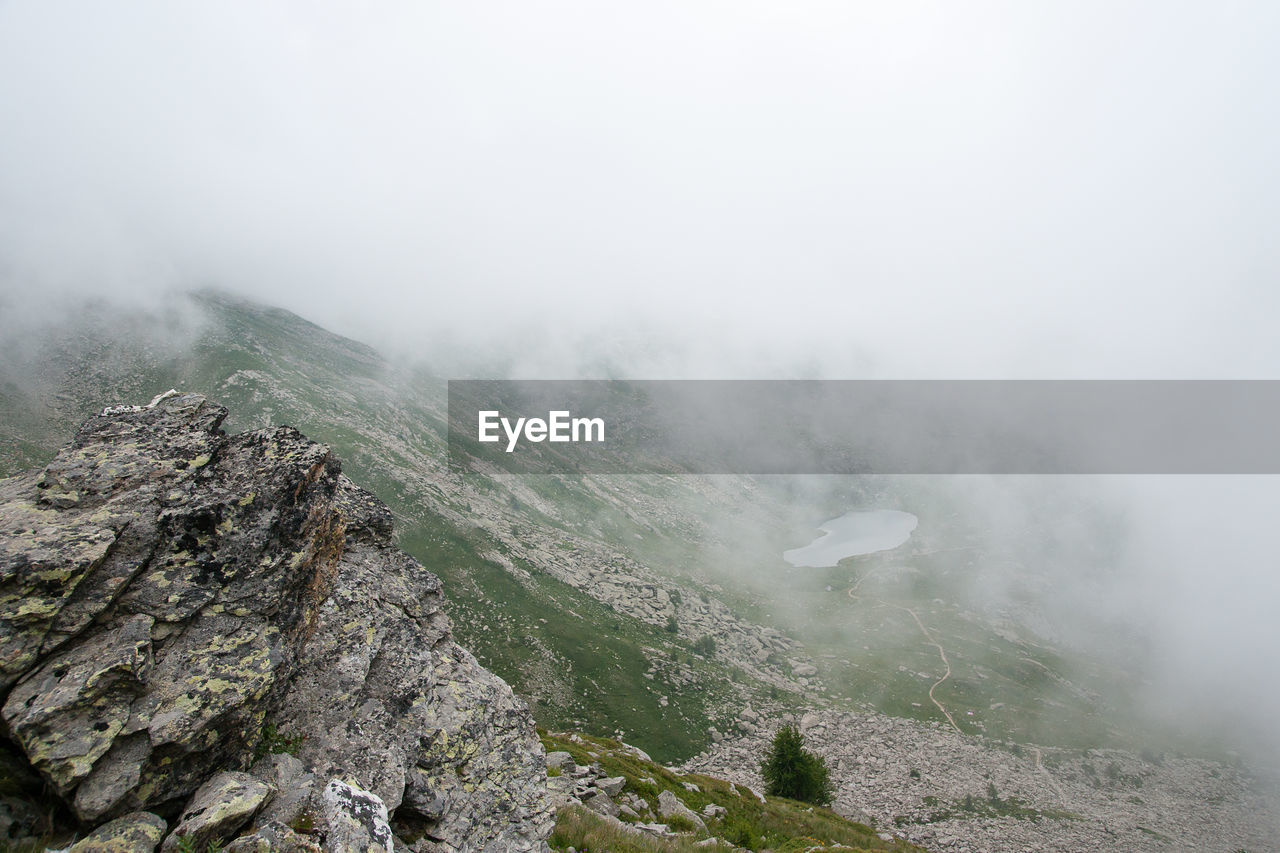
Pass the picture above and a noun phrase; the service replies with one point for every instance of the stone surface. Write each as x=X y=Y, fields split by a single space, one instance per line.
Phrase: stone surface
x=139 y=832
x=669 y=805
x=600 y=803
x=356 y=820
x=168 y=591
x=273 y=837
x=220 y=807
x=612 y=785
x=295 y=798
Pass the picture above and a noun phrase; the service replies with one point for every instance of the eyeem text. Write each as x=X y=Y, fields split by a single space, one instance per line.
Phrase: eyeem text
x=558 y=426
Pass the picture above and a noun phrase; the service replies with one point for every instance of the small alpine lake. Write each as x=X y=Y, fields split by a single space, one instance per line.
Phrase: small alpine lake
x=863 y=531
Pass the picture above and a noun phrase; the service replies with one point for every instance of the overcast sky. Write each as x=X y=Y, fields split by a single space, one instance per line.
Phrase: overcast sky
x=713 y=188
x=841 y=189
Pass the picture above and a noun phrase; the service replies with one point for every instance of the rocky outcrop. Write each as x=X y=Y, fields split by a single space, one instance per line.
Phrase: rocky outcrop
x=588 y=786
x=176 y=602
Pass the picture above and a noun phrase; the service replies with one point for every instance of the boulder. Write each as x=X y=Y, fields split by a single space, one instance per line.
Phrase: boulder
x=612 y=785
x=661 y=830
x=669 y=805
x=139 y=832
x=219 y=808
x=356 y=820
x=273 y=837
x=295 y=799
x=600 y=803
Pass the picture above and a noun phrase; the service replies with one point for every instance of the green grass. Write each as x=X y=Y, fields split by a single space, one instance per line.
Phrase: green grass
x=585 y=830
x=600 y=664
x=776 y=824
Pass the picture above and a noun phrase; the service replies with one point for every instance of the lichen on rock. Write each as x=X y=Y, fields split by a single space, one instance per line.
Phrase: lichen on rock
x=127 y=834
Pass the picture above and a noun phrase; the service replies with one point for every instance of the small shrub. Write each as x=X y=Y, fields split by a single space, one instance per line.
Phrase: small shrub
x=705 y=646
x=672 y=625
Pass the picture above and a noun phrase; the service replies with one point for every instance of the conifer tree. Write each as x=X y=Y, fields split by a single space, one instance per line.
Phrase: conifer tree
x=793 y=772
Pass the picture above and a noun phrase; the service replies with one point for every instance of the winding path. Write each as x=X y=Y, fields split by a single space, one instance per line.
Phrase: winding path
x=1053 y=783
x=942 y=653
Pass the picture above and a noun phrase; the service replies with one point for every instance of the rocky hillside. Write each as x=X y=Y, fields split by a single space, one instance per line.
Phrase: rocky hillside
x=613 y=797
x=962 y=794
x=204 y=634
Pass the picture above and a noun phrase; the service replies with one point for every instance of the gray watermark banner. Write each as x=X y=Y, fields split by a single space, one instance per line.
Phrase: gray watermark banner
x=866 y=426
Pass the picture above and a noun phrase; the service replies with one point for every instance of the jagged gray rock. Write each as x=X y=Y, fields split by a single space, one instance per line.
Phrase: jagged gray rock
x=669 y=805
x=612 y=785
x=600 y=802
x=167 y=590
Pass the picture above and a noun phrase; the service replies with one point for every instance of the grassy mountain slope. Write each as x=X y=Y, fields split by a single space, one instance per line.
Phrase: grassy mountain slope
x=594 y=596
